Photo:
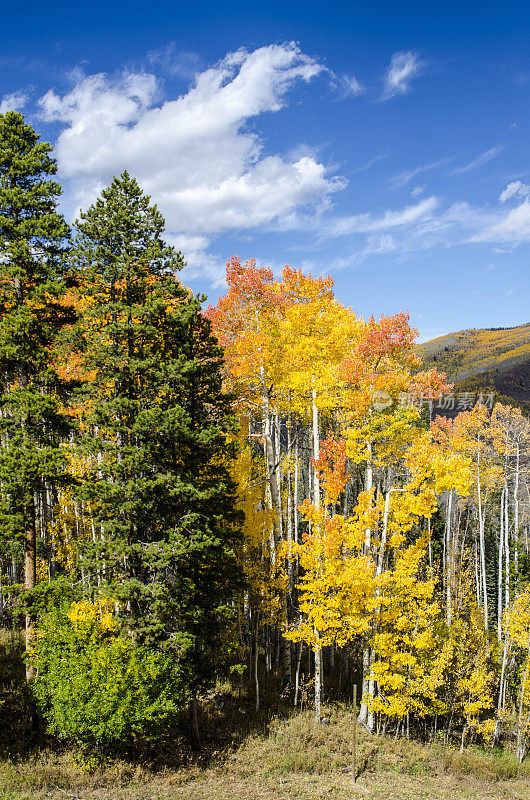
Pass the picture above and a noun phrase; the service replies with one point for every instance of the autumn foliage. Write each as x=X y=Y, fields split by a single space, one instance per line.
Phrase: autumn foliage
x=266 y=492
x=369 y=516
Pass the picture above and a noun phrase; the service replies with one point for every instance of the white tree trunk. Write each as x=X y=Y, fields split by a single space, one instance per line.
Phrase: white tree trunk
x=506 y=549
x=449 y=560
x=482 y=545
x=500 y=569
x=316 y=449
x=318 y=685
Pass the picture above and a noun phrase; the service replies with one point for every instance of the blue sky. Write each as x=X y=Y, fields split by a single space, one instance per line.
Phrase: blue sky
x=384 y=143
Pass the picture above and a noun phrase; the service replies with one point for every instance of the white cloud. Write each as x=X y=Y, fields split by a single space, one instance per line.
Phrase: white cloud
x=403 y=68
x=189 y=243
x=419 y=228
x=483 y=158
x=194 y=155
x=209 y=172
x=350 y=86
x=13 y=102
x=200 y=263
x=514 y=189
x=427 y=226
x=369 y=223
x=513 y=227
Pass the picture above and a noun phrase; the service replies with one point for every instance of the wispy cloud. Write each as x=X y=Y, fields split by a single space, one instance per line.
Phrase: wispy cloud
x=368 y=164
x=514 y=189
x=420 y=228
x=403 y=178
x=346 y=85
x=483 y=158
x=403 y=68
x=370 y=223
x=424 y=227
x=513 y=227
x=350 y=86
x=13 y=102
x=176 y=63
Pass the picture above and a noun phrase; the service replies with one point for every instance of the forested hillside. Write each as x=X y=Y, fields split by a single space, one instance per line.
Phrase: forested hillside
x=259 y=504
x=496 y=359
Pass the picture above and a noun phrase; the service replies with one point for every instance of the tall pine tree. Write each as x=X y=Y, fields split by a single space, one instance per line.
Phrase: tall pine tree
x=33 y=242
x=156 y=414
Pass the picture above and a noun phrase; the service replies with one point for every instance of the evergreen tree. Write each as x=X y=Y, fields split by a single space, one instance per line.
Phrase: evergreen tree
x=33 y=242
x=155 y=412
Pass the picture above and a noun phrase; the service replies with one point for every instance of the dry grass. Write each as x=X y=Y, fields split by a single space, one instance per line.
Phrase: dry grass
x=293 y=760
x=296 y=745
x=214 y=785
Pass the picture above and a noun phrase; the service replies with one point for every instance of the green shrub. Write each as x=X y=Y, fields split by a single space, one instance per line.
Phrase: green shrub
x=94 y=686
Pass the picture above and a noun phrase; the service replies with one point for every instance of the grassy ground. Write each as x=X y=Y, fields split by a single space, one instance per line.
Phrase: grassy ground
x=273 y=755
x=211 y=786
x=289 y=760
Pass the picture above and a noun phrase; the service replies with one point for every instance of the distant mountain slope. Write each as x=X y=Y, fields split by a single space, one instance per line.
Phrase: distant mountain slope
x=486 y=359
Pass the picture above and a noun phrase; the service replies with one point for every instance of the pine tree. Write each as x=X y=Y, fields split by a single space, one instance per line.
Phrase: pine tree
x=156 y=415
x=33 y=242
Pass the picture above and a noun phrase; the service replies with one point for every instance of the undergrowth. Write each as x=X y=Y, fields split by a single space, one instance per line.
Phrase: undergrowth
x=273 y=748
x=296 y=745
